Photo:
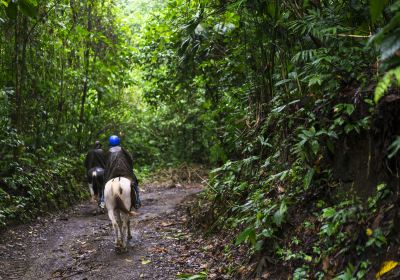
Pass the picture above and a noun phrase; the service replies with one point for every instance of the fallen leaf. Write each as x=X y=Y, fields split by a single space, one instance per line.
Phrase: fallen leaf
x=158 y=250
x=265 y=275
x=144 y=262
x=385 y=268
x=325 y=264
x=164 y=224
x=205 y=265
x=208 y=247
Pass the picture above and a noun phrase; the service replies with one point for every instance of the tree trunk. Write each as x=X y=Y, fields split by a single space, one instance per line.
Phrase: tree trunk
x=86 y=58
x=15 y=112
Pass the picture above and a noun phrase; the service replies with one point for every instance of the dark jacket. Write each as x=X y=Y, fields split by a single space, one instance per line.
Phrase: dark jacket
x=119 y=164
x=95 y=158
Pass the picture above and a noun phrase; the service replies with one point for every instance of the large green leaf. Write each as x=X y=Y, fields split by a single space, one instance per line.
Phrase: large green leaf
x=11 y=10
x=29 y=7
x=390 y=45
x=280 y=214
x=376 y=7
x=248 y=234
x=394 y=148
x=308 y=178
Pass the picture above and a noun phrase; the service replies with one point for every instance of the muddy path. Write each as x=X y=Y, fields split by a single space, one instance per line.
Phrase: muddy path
x=79 y=245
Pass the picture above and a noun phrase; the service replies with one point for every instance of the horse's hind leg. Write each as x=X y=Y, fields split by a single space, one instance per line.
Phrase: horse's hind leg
x=129 y=229
x=120 y=241
x=115 y=225
x=124 y=231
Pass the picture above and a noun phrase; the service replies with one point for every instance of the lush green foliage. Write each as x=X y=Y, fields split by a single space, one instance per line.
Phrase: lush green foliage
x=64 y=69
x=389 y=45
x=266 y=90
x=271 y=88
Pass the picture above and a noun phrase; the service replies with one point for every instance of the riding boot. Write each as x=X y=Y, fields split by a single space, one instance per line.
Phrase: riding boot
x=136 y=203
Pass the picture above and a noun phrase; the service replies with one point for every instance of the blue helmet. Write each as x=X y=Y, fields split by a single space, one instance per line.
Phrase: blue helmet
x=114 y=140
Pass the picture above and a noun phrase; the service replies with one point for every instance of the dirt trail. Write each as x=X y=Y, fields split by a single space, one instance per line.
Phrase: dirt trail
x=79 y=245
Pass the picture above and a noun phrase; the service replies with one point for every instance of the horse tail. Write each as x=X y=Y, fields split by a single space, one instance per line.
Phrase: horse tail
x=119 y=204
x=116 y=192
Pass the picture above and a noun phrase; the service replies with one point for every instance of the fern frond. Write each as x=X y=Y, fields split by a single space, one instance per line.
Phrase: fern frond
x=305 y=55
x=386 y=81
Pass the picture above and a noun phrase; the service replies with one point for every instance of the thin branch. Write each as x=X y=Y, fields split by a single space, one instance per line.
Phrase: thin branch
x=354 y=36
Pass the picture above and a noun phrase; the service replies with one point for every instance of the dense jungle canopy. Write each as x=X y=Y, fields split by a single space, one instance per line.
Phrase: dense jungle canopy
x=294 y=104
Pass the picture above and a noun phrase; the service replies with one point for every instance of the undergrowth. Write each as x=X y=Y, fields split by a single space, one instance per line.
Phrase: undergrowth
x=314 y=194
x=292 y=210
x=31 y=190
x=317 y=232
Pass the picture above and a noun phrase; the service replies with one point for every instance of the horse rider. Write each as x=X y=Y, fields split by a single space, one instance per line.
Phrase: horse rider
x=119 y=163
x=95 y=163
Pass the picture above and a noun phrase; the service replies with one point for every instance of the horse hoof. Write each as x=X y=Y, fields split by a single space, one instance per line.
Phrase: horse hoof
x=121 y=250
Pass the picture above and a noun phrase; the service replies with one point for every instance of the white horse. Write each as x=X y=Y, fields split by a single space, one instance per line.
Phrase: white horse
x=117 y=195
